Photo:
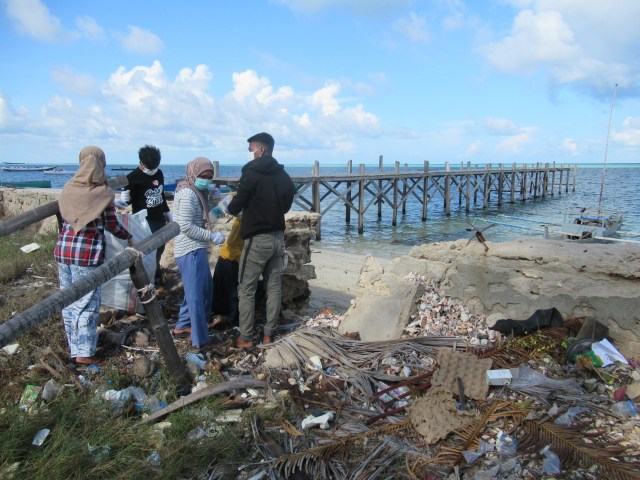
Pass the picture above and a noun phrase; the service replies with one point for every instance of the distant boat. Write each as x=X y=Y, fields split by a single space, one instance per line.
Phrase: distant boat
x=12 y=167
x=58 y=171
x=30 y=184
x=124 y=168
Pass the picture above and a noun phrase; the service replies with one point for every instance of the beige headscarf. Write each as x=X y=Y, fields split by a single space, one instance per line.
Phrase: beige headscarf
x=86 y=195
x=194 y=168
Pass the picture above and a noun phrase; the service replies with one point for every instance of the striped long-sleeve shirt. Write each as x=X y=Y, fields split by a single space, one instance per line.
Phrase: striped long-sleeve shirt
x=187 y=212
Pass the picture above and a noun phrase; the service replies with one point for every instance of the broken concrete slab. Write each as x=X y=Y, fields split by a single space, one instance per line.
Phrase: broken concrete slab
x=383 y=306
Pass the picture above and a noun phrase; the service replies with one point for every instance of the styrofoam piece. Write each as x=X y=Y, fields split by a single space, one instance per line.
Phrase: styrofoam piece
x=499 y=377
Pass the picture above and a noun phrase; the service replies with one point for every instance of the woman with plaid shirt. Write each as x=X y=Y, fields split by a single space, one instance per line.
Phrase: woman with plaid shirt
x=87 y=208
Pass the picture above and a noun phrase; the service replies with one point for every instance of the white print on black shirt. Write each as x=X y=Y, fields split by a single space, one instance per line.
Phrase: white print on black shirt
x=153 y=196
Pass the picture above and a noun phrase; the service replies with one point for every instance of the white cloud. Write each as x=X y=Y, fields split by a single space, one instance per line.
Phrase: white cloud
x=90 y=29
x=588 y=44
x=73 y=82
x=500 y=126
x=10 y=119
x=513 y=144
x=569 y=145
x=629 y=134
x=414 y=28
x=473 y=149
x=369 y=7
x=140 y=41
x=33 y=18
x=144 y=101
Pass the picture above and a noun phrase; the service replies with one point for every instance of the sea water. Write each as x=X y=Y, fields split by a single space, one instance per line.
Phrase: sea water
x=620 y=192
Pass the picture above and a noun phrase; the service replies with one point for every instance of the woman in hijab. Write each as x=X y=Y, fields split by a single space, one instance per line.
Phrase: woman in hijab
x=87 y=209
x=190 y=248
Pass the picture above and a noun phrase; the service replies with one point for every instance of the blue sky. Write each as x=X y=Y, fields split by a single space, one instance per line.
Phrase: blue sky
x=332 y=80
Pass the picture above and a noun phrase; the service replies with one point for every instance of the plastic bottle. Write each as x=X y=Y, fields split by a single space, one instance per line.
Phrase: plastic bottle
x=624 y=409
x=506 y=445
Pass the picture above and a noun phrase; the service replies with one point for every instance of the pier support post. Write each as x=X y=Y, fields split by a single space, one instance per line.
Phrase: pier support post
x=425 y=189
x=347 y=212
x=500 y=184
x=467 y=203
x=447 y=190
x=553 y=179
x=404 y=190
x=315 y=193
x=361 y=201
x=379 y=198
x=486 y=194
x=396 y=171
x=575 y=174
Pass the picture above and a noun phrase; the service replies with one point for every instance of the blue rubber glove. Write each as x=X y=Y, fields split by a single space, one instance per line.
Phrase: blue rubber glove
x=216 y=238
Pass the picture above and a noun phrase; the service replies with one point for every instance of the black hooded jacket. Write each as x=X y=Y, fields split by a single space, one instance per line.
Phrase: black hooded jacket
x=265 y=194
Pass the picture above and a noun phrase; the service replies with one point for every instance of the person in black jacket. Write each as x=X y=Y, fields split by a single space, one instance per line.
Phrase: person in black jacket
x=146 y=191
x=265 y=193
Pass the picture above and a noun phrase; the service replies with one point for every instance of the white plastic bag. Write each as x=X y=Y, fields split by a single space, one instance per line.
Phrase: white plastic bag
x=119 y=292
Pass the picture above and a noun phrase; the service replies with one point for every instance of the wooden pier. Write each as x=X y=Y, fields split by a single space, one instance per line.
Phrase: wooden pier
x=358 y=191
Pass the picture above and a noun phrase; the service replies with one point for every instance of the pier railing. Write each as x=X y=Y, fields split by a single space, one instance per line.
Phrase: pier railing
x=358 y=191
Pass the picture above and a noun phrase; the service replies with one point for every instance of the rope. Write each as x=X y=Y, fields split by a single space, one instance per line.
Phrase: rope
x=149 y=290
x=137 y=253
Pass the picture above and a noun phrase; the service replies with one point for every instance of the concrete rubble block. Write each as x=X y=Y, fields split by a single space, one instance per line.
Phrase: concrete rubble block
x=383 y=305
x=519 y=277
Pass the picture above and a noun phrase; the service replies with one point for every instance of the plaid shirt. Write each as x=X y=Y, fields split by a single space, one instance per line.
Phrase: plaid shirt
x=87 y=247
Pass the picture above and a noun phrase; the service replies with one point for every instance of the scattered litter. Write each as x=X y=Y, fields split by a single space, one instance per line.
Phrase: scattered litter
x=11 y=349
x=29 y=397
x=315 y=363
x=506 y=445
x=99 y=454
x=499 y=377
x=154 y=458
x=607 y=352
x=40 y=437
x=567 y=417
x=51 y=390
x=551 y=463
x=624 y=409
x=32 y=247
x=197 y=359
x=119 y=398
x=322 y=421
x=483 y=447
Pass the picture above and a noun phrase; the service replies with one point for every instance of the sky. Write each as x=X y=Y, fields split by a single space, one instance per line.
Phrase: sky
x=482 y=81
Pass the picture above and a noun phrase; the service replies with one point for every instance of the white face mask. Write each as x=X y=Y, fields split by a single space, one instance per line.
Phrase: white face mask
x=250 y=156
x=150 y=172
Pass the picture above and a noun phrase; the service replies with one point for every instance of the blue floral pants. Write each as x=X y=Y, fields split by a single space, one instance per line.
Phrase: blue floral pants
x=81 y=317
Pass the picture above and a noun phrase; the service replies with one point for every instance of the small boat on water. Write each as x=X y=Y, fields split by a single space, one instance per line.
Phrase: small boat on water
x=58 y=171
x=28 y=184
x=12 y=167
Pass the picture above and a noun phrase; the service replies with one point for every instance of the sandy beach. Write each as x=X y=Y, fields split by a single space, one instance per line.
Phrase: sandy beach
x=337 y=274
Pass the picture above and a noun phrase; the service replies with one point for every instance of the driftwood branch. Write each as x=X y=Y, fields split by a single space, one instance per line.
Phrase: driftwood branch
x=204 y=393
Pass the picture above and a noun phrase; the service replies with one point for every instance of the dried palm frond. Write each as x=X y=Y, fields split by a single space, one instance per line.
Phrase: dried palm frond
x=467 y=438
x=568 y=443
x=310 y=460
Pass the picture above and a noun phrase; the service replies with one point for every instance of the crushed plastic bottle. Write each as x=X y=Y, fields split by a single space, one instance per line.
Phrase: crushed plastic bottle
x=506 y=445
x=624 y=409
x=551 y=462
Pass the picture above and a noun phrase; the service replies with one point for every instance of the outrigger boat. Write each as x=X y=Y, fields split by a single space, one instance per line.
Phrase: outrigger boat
x=58 y=171
x=584 y=224
x=7 y=167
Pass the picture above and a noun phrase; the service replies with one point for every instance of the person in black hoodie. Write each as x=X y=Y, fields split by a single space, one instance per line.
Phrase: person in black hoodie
x=265 y=193
x=146 y=191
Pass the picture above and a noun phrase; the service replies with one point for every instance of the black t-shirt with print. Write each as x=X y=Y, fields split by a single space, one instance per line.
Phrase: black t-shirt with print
x=147 y=191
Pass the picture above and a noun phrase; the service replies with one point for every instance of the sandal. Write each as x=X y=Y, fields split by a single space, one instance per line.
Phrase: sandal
x=89 y=361
x=182 y=333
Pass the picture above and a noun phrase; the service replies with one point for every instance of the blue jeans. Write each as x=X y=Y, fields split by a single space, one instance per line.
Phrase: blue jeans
x=195 y=309
x=81 y=317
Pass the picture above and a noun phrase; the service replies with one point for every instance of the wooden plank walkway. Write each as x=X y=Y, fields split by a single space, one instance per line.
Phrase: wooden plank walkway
x=359 y=191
